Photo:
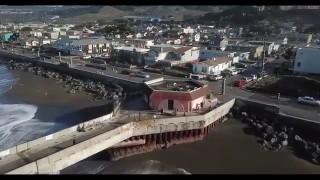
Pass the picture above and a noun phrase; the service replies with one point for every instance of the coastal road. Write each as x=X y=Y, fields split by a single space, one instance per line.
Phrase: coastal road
x=287 y=105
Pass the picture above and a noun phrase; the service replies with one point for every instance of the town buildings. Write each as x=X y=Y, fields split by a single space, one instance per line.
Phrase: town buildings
x=85 y=46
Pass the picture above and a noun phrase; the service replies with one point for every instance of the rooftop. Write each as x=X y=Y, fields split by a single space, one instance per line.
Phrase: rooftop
x=129 y=48
x=175 y=85
x=216 y=61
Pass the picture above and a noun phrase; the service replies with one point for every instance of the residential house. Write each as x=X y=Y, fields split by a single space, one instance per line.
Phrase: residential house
x=229 y=42
x=31 y=42
x=139 y=43
x=270 y=47
x=171 y=54
x=130 y=55
x=94 y=45
x=255 y=51
x=210 y=54
x=307 y=60
x=213 y=66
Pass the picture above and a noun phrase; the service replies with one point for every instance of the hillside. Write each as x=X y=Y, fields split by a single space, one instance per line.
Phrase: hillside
x=103 y=12
x=111 y=12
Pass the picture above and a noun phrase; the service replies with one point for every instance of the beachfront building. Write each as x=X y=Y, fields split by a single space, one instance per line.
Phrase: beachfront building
x=178 y=95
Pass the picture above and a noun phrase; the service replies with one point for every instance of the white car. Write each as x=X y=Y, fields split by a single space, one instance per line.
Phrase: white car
x=309 y=100
x=254 y=77
x=247 y=79
x=215 y=77
x=230 y=72
x=142 y=75
x=86 y=57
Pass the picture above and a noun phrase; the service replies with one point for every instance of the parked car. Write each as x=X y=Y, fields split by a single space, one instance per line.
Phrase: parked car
x=142 y=74
x=308 y=100
x=254 y=77
x=240 y=65
x=126 y=72
x=215 y=77
x=197 y=76
x=86 y=57
x=247 y=79
x=240 y=83
x=240 y=70
x=229 y=72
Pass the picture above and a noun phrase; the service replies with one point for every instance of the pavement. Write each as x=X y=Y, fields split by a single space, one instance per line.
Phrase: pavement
x=49 y=147
x=287 y=105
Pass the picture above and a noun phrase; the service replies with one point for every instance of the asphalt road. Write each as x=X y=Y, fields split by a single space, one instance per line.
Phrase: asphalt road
x=287 y=105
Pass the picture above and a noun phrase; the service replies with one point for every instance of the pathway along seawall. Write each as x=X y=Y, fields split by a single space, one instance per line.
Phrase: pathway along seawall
x=156 y=130
x=129 y=86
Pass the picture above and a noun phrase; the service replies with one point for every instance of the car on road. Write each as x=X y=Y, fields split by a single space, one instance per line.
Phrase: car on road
x=142 y=74
x=214 y=77
x=240 y=83
x=308 y=100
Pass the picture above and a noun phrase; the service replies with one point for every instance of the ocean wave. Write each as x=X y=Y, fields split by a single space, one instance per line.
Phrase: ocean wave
x=7 y=80
x=17 y=124
x=155 y=167
x=145 y=167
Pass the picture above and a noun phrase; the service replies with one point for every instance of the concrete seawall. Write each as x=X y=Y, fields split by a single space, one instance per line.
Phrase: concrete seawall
x=56 y=162
x=127 y=84
x=273 y=111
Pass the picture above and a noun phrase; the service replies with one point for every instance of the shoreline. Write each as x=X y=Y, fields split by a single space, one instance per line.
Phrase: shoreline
x=227 y=150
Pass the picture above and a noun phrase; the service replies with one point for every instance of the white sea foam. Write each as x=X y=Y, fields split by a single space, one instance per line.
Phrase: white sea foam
x=17 y=124
x=7 y=80
x=145 y=167
x=155 y=167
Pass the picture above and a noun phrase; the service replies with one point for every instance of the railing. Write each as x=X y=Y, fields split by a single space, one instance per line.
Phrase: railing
x=73 y=154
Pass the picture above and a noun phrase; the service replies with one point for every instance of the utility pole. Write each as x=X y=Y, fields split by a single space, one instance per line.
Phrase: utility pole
x=223 y=86
x=263 y=57
x=59 y=56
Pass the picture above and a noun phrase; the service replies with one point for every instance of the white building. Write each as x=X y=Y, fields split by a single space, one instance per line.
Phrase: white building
x=95 y=45
x=172 y=54
x=188 y=30
x=307 y=60
x=213 y=66
x=36 y=33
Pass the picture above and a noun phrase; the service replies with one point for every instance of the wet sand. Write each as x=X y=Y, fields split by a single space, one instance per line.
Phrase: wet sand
x=53 y=102
x=39 y=90
x=227 y=150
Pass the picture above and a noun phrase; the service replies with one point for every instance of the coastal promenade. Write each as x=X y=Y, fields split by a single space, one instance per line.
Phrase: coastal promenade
x=51 y=154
